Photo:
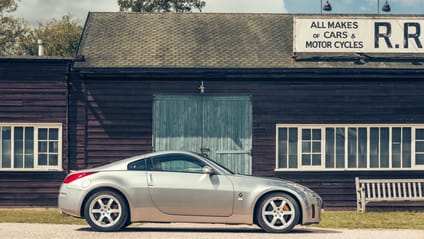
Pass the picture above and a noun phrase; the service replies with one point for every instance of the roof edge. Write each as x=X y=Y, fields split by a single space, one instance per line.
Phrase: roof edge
x=159 y=71
x=36 y=58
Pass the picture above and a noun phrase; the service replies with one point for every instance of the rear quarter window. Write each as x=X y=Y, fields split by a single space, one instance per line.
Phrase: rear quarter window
x=137 y=165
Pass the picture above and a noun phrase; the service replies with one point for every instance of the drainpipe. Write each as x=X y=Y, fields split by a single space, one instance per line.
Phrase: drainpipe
x=68 y=128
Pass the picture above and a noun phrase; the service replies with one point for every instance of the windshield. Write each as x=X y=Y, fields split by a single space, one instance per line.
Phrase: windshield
x=216 y=164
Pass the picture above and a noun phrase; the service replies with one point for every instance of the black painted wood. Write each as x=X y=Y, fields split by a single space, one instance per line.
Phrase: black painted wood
x=33 y=91
x=110 y=115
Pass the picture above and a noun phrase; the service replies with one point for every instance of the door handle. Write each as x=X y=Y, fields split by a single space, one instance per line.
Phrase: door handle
x=149 y=179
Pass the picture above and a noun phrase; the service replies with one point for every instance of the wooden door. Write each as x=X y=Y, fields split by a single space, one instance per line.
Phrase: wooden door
x=220 y=126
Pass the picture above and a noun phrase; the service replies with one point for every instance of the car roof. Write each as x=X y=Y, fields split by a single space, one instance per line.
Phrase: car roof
x=122 y=164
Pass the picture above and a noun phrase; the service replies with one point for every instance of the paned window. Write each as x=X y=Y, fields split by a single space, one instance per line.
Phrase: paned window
x=349 y=147
x=30 y=147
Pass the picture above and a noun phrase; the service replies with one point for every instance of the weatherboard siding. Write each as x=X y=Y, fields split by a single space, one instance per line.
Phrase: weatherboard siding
x=33 y=91
x=30 y=189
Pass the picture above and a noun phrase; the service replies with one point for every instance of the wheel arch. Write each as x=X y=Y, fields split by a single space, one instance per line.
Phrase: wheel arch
x=265 y=194
x=99 y=189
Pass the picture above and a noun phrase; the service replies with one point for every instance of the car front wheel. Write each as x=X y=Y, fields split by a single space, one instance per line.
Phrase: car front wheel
x=278 y=212
x=106 y=211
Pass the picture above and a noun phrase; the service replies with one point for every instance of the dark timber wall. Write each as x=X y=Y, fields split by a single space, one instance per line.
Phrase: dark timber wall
x=116 y=119
x=110 y=116
x=33 y=91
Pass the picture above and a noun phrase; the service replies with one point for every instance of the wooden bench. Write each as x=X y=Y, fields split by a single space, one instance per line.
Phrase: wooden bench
x=381 y=190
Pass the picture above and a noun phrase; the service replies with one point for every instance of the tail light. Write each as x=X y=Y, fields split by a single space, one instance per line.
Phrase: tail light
x=76 y=176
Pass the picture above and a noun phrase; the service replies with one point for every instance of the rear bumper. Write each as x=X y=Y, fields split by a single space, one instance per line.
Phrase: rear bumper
x=69 y=201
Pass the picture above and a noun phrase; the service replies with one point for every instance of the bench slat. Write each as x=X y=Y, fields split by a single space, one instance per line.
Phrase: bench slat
x=368 y=190
x=384 y=193
x=414 y=190
x=394 y=190
x=373 y=190
x=404 y=189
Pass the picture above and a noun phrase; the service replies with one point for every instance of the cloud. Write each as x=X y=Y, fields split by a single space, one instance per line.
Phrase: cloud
x=35 y=11
x=246 y=6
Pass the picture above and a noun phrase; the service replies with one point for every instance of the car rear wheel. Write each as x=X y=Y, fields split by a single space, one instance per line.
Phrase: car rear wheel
x=278 y=212
x=106 y=211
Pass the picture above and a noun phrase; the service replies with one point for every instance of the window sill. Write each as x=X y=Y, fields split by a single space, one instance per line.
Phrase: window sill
x=32 y=170
x=347 y=170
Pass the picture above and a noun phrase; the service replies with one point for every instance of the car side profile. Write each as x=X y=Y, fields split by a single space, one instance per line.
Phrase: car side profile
x=178 y=186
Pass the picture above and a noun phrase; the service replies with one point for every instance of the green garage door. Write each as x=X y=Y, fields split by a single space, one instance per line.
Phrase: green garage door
x=220 y=126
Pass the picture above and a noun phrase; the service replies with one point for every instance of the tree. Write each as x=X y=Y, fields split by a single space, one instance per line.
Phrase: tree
x=161 y=5
x=60 y=36
x=8 y=6
x=12 y=30
x=16 y=38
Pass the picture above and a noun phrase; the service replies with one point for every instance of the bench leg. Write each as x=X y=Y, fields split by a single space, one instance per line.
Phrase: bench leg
x=358 y=204
x=360 y=200
x=358 y=195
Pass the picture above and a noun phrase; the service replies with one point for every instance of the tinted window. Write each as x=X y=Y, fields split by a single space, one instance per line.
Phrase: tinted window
x=177 y=163
x=137 y=165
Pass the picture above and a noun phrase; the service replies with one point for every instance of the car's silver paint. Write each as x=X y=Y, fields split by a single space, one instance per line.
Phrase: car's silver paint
x=148 y=204
x=198 y=194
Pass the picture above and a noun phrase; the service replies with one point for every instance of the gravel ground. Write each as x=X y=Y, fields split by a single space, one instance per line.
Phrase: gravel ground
x=192 y=231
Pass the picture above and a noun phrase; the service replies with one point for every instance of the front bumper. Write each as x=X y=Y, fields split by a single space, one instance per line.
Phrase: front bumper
x=312 y=214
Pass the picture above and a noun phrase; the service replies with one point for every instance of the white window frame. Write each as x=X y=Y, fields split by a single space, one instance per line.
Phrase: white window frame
x=36 y=126
x=413 y=145
x=323 y=127
x=300 y=148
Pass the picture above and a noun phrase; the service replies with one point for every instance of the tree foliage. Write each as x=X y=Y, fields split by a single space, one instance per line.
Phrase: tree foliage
x=16 y=38
x=60 y=36
x=8 y=6
x=161 y=5
x=12 y=30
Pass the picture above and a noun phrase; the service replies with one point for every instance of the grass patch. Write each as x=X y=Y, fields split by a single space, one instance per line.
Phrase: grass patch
x=51 y=216
x=329 y=219
x=374 y=220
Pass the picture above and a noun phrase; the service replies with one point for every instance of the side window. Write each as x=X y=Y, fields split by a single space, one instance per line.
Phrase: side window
x=137 y=165
x=177 y=163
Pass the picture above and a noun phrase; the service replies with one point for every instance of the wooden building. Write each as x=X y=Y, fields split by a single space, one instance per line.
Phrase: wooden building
x=33 y=129
x=230 y=85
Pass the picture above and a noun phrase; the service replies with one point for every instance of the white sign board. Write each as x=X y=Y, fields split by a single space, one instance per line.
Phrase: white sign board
x=358 y=34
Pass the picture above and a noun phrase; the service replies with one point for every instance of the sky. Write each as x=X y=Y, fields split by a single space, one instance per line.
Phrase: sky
x=35 y=11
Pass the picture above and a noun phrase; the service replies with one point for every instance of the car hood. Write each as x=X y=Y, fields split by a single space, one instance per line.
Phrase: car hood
x=275 y=183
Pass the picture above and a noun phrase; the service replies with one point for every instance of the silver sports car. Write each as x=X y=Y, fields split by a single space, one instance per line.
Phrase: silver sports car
x=178 y=186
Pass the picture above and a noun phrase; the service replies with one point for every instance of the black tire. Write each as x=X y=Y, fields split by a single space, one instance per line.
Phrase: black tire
x=126 y=224
x=106 y=211
x=277 y=213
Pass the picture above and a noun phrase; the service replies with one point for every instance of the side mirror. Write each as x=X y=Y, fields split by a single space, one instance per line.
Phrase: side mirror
x=208 y=170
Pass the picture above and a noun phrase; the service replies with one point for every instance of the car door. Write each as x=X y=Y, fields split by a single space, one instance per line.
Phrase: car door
x=177 y=186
